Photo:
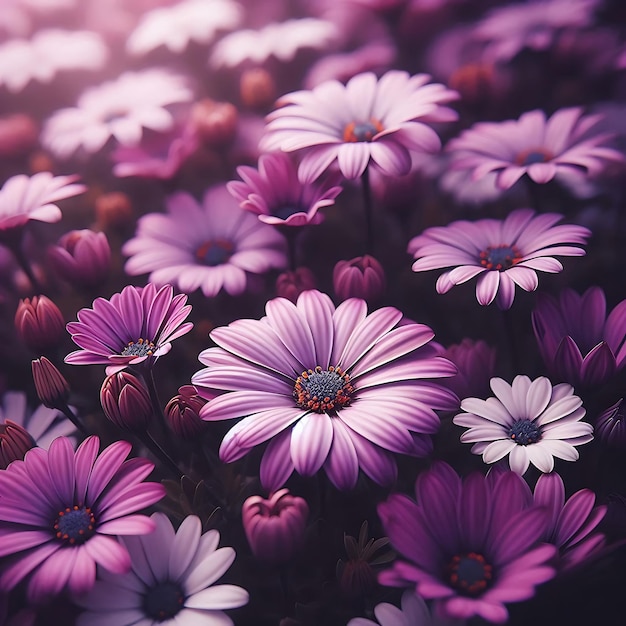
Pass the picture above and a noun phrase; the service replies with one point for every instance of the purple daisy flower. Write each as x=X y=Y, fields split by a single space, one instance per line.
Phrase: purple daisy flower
x=472 y=546
x=134 y=326
x=476 y=362
x=24 y=198
x=327 y=387
x=366 y=119
x=542 y=149
x=170 y=580
x=530 y=421
x=578 y=342
x=610 y=425
x=502 y=253
x=274 y=193
x=571 y=525
x=60 y=511
x=212 y=246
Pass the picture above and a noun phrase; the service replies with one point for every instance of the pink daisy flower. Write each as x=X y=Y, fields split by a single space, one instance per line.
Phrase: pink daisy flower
x=365 y=120
x=326 y=387
x=528 y=421
x=118 y=109
x=133 y=327
x=60 y=511
x=274 y=193
x=565 y=145
x=502 y=253
x=212 y=246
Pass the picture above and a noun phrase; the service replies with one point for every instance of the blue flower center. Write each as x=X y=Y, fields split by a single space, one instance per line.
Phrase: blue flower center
x=285 y=211
x=215 y=252
x=500 y=257
x=362 y=131
x=75 y=525
x=469 y=573
x=533 y=156
x=524 y=432
x=141 y=347
x=163 y=601
x=322 y=390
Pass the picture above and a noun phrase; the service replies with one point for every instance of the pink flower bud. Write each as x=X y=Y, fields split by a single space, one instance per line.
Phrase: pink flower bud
x=15 y=442
x=291 y=284
x=82 y=257
x=361 y=277
x=214 y=122
x=39 y=323
x=275 y=527
x=51 y=386
x=126 y=401
x=183 y=413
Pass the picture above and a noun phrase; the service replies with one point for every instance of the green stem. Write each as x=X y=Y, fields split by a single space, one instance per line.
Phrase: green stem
x=160 y=453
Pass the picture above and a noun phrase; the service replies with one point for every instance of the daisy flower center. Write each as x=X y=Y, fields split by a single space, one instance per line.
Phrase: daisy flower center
x=499 y=257
x=285 y=211
x=74 y=525
x=538 y=155
x=141 y=347
x=524 y=432
x=163 y=601
x=322 y=390
x=362 y=131
x=215 y=252
x=469 y=573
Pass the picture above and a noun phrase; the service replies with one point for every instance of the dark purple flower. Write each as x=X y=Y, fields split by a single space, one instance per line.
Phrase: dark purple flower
x=60 y=511
x=52 y=388
x=275 y=194
x=126 y=401
x=183 y=413
x=15 y=442
x=134 y=326
x=82 y=257
x=571 y=526
x=542 y=149
x=39 y=323
x=325 y=386
x=610 y=425
x=472 y=546
x=291 y=284
x=476 y=362
x=365 y=120
x=361 y=277
x=578 y=342
x=502 y=253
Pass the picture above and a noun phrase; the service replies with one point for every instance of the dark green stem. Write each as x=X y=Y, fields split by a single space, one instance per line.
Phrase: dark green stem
x=74 y=419
x=368 y=209
x=160 y=453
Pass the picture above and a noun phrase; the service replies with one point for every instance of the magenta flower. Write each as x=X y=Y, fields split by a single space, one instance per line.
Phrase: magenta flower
x=476 y=364
x=325 y=387
x=134 y=326
x=24 y=198
x=60 y=511
x=361 y=277
x=365 y=120
x=275 y=194
x=610 y=425
x=501 y=253
x=565 y=144
x=528 y=421
x=571 y=525
x=171 y=580
x=578 y=342
x=212 y=246
x=121 y=109
x=472 y=546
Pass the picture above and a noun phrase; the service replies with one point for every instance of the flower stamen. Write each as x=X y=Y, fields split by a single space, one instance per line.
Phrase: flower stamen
x=141 y=347
x=500 y=258
x=323 y=390
x=469 y=573
x=75 y=524
x=362 y=131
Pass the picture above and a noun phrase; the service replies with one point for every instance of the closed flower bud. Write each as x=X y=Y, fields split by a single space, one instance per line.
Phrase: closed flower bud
x=362 y=277
x=18 y=135
x=291 y=284
x=126 y=401
x=610 y=426
x=114 y=210
x=275 y=527
x=183 y=413
x=82 y=257
x=15 y=442
x=52 y=388
x=257 y=88
x=214 y=122
x=39 y=323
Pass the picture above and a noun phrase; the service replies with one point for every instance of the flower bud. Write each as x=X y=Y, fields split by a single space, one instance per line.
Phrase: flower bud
x=291 y=284
x=82 y=257
x=126 y=401
x=361 y=277
x=257 y=88
x=18 y=135
x=39 y=323
x=183 y=413
x=610 y=426
x=52 y=388
x=214 y=122
x=15 y=442
x=275 y=527
x=114 y=210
